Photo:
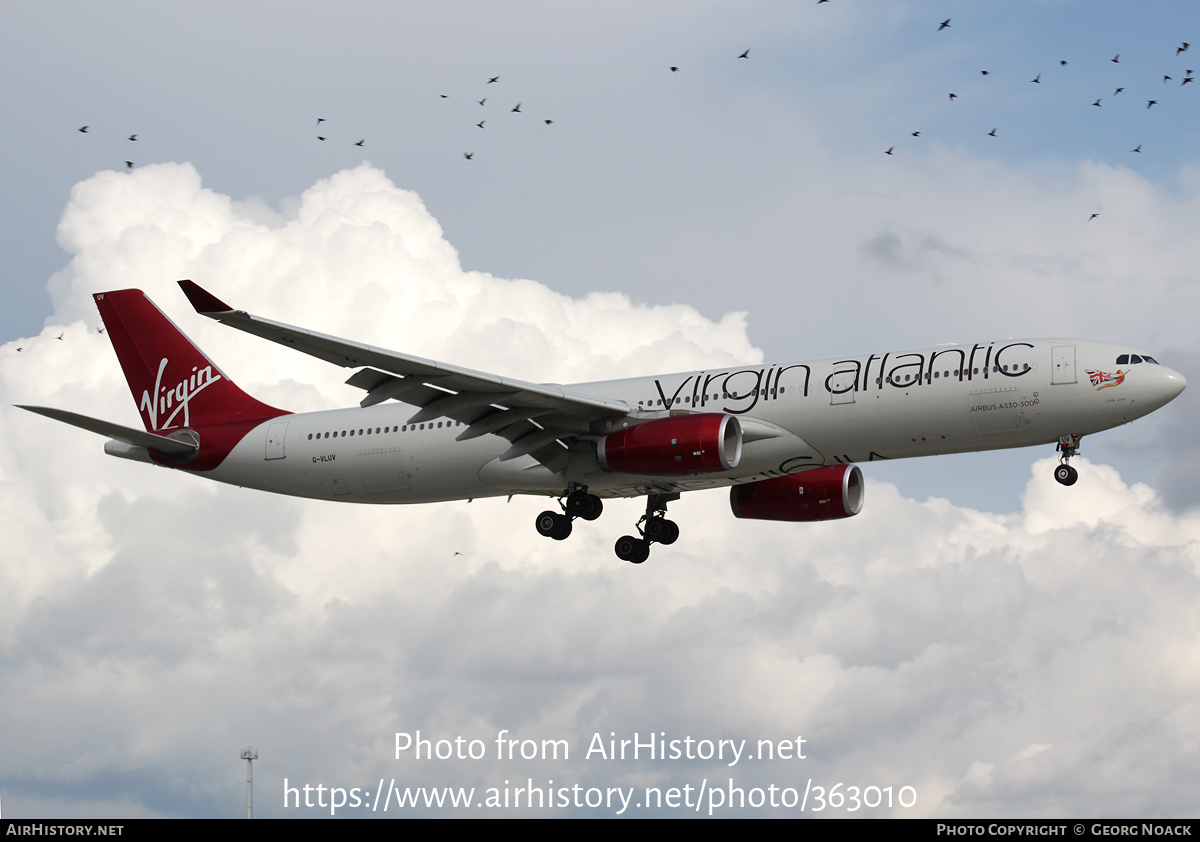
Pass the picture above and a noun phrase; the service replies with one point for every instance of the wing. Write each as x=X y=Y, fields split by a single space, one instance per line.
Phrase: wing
x=539 y=420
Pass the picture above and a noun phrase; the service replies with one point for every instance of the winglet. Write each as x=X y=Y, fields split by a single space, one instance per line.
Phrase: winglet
x=203 y=300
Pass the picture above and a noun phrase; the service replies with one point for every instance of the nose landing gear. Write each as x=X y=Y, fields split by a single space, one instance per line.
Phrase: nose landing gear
x=1068 y=446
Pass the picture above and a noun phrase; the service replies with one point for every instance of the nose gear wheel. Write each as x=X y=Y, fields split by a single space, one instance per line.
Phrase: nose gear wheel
x=1068 y=446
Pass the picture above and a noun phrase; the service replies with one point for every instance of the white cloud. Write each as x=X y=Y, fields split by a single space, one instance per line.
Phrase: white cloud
x=154 y=624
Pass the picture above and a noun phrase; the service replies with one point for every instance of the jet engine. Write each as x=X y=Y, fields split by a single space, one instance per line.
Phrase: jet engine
x=702 y=443
x=826 y=493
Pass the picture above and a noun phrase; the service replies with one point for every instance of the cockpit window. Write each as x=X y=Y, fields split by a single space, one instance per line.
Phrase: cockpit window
x=1127 y=359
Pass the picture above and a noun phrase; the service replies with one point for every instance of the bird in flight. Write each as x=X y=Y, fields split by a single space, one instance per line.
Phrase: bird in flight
x=1116 y=59
x=320 y=138
x=1093 y=216
x=1138 y=148
x=84 y=129
x=1182 y=48
x=361 y=142
x=916 y=134
x=953 y=97
x=983 y=72
x=482 y=101
x=549 y=122
x=1096 y=103
x=129 y=165
x=468 y=155
x=493 y=79
x=1150 y=103
x=888 y=151
x=1117 y=91
x=745 y=54
x=1037 y=79
x=992 y=133
x=944 y=25
x=133 y=137
x=480 y=123
x=517 y=108
x=674 y=69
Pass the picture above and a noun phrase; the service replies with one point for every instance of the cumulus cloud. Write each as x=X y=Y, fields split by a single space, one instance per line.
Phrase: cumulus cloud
x=153 y=624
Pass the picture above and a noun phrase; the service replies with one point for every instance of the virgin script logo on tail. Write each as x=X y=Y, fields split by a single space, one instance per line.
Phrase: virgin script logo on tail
x=174 y=399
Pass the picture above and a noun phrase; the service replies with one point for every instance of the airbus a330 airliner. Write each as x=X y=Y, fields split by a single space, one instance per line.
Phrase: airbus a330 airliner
x=784 y=438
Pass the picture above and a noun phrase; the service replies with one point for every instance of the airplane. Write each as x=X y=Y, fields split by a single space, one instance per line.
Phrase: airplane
x=787 y=439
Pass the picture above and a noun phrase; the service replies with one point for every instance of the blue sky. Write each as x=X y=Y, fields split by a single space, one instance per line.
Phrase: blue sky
x=637 y=157
x=753 y=186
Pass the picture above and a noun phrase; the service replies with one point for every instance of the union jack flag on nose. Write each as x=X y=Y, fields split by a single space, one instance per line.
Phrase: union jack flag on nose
x=1102 y=379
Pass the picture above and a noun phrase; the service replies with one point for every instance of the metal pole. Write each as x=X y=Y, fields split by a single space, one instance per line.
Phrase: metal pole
x=250 y=755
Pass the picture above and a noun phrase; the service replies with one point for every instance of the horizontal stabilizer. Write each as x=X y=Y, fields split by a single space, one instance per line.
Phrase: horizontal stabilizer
x=128 y=435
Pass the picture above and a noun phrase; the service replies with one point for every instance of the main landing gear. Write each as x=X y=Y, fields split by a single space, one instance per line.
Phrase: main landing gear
x=653 y=527
x=577 y=503
x=1068 y=446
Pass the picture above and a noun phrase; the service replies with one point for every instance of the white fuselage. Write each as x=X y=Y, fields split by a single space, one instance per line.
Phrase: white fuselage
x=946 y=399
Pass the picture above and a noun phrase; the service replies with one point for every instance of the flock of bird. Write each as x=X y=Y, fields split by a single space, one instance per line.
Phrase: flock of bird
x=491 y=94
x=482 y=124
x=323 y=135
x=1152 y=101
x=128 y=164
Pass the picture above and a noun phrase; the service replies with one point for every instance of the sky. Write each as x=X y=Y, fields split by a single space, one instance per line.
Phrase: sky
x=998 y=644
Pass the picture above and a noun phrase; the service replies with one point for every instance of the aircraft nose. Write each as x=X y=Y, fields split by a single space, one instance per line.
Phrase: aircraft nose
x=1172 y=383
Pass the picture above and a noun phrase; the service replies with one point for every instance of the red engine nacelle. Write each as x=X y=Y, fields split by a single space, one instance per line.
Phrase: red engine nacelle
x=820 y=494
x=704 y=443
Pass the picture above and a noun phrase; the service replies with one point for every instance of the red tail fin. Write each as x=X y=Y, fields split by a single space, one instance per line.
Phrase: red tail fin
x=173 y=383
